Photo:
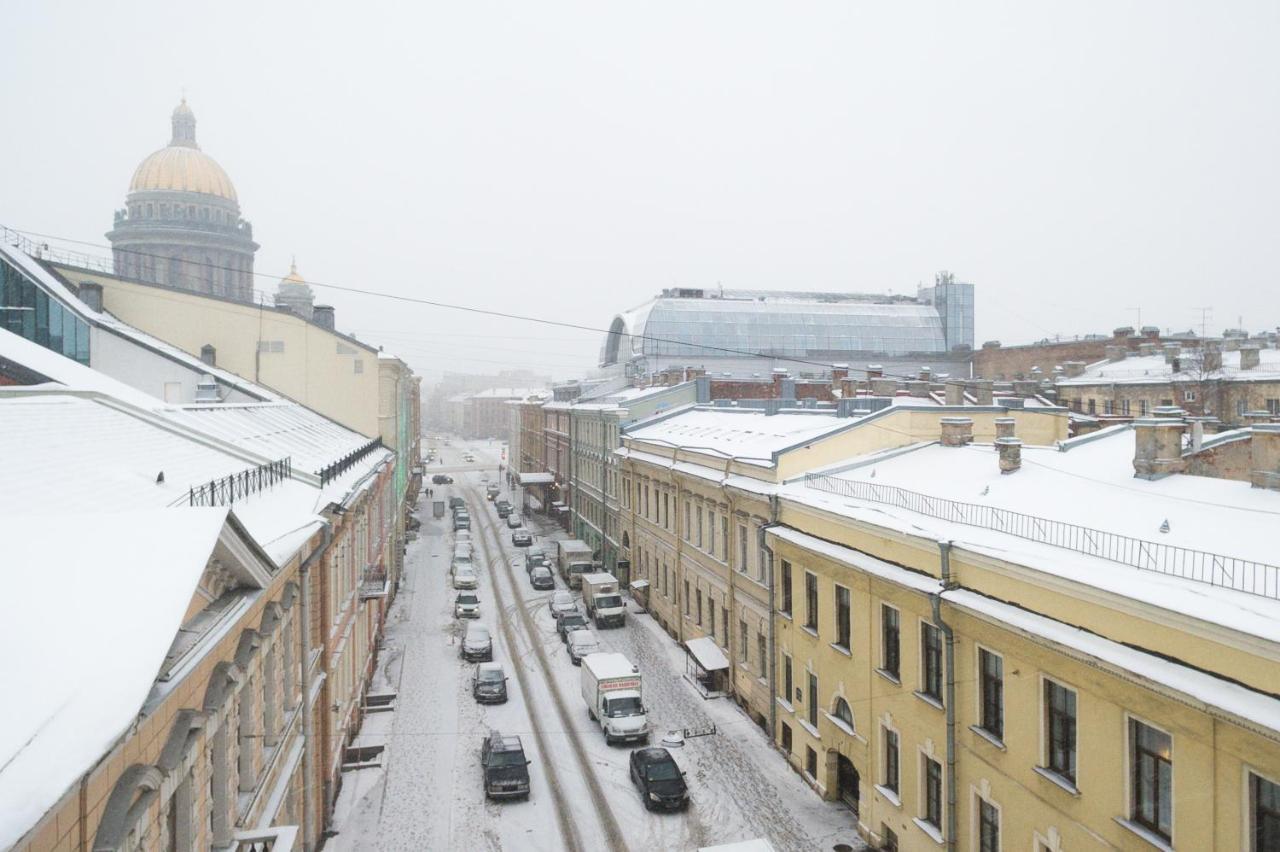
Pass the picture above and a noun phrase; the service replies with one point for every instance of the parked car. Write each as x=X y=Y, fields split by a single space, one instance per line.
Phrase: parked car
x=462 y=551
x=570 y=622
x=457 y=503
x=489 y=684
x=462 y=536
x=504 y=508
x=465 y=577
x=521 y=538
x=442 y=479
x=534 y=558
x=477 y=644
x=461 y=521
x=514 y=521
x=581 y=643
x=562 y=602
x=540 y=578
x=506 y=769
x=491 y=491
x=468 y=457
x=661 y=783
x=466 y=605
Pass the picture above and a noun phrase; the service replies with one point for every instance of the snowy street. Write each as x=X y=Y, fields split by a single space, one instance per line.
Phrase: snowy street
x=428 y=793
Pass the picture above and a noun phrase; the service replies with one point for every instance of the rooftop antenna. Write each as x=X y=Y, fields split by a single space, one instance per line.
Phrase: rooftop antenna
x=1205 y=313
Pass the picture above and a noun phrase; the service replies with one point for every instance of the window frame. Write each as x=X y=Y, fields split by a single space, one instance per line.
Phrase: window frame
x=843 y=618
x=1046 y=731
x=1133 y=770
x=928 y=802
x=931 y=677
x=785 y=607
x=981 y=652
x=811 y=601
x=895 y=673
x=1251 y=776
x=889 y=736
x=980 y=822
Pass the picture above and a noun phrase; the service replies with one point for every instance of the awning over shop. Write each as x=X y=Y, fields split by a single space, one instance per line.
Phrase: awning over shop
x=539 y=478
x=640 y=586
x=707 y=653
x=562 y=508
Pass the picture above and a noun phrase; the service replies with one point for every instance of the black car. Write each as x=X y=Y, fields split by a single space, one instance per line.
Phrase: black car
x=570 y=622
x=457 y=503
x=442 y=479
x=489 y=684
x=521 y=538
x=660 y=780
x=506 y=769
x=504 y=509
x=534 y=558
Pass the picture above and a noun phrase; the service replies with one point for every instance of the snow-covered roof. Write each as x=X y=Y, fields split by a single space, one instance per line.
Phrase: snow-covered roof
x=1239 y=700
x=1092 y=486
x=65 y=371
x=71 y=301
x=1148 y=369
x=504 y=393
x=83 y=671
x=273 y=430
x=748 y=435
x=708 y=654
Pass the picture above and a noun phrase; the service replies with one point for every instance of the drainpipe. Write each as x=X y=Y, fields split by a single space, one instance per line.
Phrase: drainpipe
x=681 y=603
x=773 y=648
x=944 y=549
x=733 y=586
x=308 y=731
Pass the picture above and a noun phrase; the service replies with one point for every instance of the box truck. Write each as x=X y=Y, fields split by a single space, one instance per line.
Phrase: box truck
x=611 y=688
x=602 y=599
x=573 y=561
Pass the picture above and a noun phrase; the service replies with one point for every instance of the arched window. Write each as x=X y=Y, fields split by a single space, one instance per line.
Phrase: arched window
x=843 y=712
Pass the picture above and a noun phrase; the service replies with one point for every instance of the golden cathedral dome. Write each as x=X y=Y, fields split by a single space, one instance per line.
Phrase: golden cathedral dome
x=182 y=166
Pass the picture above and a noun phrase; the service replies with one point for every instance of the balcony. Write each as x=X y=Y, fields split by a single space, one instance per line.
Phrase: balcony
x=373 y=583
x=279 y=839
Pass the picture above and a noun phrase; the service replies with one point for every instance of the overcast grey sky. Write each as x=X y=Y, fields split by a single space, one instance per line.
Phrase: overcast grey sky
x=1076 y=161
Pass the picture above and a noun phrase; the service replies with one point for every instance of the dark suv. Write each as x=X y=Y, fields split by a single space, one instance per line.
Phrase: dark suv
x=504 y=508
x=506 y=769
x=660 y=780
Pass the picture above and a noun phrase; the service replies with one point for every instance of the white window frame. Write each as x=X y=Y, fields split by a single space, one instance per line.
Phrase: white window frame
x=1128 y=820
x=976 y=818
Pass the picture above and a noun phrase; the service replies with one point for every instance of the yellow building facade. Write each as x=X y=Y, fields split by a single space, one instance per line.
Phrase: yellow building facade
x=328 y=372
x=999 y=695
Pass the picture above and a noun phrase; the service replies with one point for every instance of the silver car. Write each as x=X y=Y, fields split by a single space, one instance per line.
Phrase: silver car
x=466 y=605
x=580 y=643
x=562 y=603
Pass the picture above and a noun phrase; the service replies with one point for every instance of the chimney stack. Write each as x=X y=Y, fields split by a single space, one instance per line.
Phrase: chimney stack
x=918 y=389
x=1146 y=348
x=955 y=392
x=1158 y=443
x=1264 y=449
x=1250 y=356
x=885 y=387
x=1025 y=387
x=982 y=392
x=1010 y=450
x=1121 y=334
x=1073 y=369
x=874 y=371
x=1005 y=427
x=90 y=292
x=209 y=355
x=838 y=374
x=1230 y=344
x=926 y=374
x=1171 y=352
x=1151 y=332
x=956 y=431
x=1211 y=357
x=778 y=374
x=322 y=315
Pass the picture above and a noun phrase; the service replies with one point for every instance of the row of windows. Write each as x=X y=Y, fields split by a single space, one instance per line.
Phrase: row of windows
x=1150 y=749
x=28 y=311
x=165 y=210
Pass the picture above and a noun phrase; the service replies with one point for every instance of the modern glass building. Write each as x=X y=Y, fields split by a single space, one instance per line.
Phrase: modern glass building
x=704 y=326
x=30 y=310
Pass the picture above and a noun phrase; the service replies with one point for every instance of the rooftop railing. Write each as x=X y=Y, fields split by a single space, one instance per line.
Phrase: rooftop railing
x=1228 y=572
x=237 y=486
x=332 y=471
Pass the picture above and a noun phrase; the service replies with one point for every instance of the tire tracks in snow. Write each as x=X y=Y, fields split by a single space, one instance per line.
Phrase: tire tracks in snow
x=568 y=831
x=608 y=821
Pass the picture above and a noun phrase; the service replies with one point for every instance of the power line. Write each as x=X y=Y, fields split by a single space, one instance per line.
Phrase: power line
x=487 y=311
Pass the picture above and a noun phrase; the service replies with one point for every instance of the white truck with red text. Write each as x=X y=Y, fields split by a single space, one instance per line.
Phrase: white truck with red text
x=611 y=687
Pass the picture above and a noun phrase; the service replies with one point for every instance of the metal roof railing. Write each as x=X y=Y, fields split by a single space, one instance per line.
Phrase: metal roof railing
x=237 y=486
x=1228 y=572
